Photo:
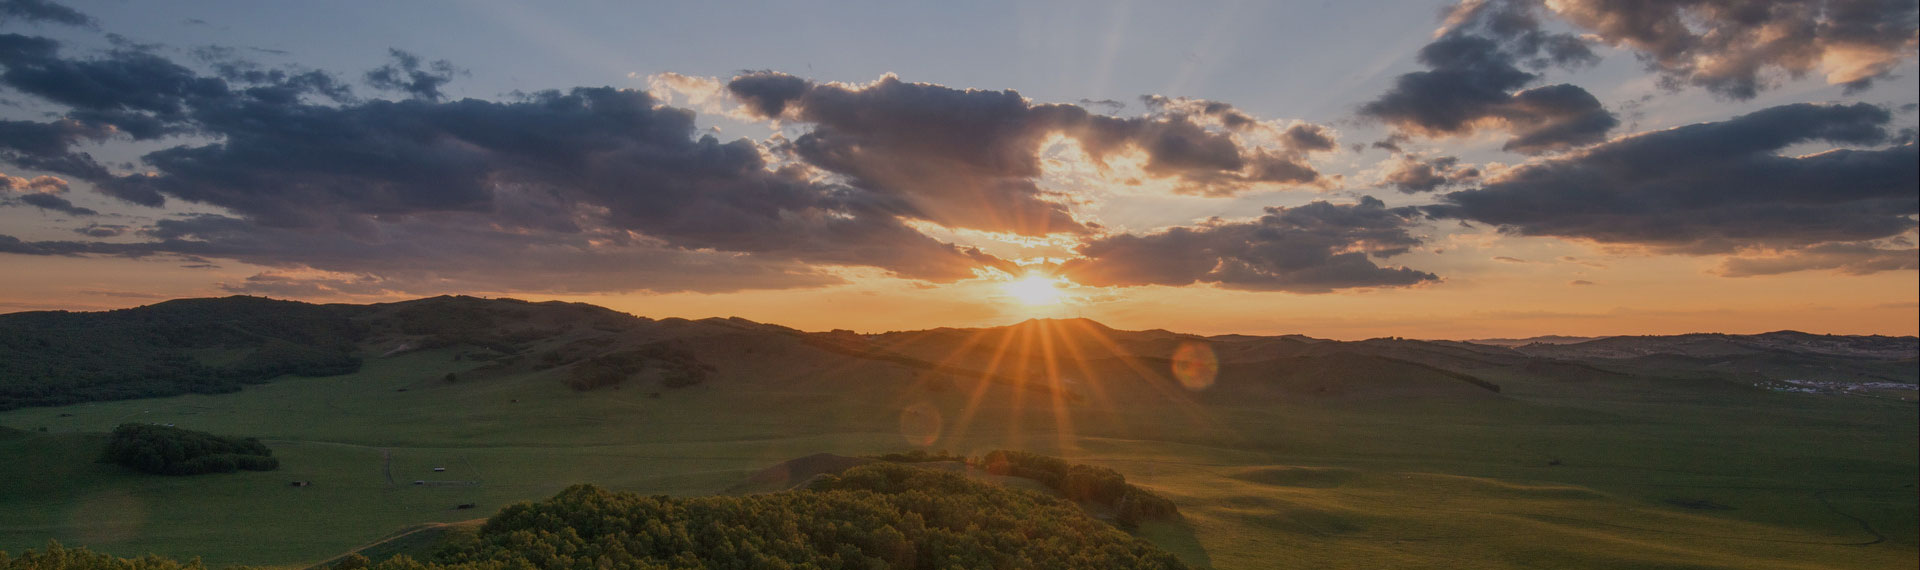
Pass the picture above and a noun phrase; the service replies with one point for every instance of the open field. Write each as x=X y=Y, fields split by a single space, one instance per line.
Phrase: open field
x=1549 y=473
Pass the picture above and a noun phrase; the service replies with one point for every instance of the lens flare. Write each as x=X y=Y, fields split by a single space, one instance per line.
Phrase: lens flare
x=1195 y=366
x=920 y=424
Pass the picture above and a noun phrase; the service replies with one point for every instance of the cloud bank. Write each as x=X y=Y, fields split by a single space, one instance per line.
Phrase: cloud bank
x=1714 y=188
x=1315 y=248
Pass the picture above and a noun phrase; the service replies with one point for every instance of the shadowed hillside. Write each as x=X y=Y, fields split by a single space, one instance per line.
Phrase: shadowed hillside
x=1383 y=452
x=219 y=345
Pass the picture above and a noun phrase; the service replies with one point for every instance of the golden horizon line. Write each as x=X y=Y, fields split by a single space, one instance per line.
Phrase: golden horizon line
x=160 y=300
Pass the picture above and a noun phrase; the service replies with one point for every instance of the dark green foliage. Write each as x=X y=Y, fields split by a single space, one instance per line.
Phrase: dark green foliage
x=56 y=557
x=678 y=368
x=51 y=358
x=1139 y=505
x=874 y=516
x=880 y=515
x=499 y=325
x=1048 y=471
x=173 y=451
x=1084 y=483
x=1093 y=484
x=449 y=316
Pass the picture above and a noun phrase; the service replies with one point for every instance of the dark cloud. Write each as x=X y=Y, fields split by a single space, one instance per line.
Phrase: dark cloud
x=49 y=146
x=556 y=162
x=408 y=74
x=1309 y=138
x=128 y=92
x=102 y=230
x=421 y=256
x=968 y=158
x=1475 y=80
x=316 y=178
x=54 y=203
x=768 y=93
x=1109 y=105
x=1315 y=248
x=1391 y=144
x=1734 y=48
x=961 y=158
x=1217 y=111
x=42 y=11
x=1846 y=258
x=274 y=284
x=1715 y=187
x=284 y=84
x=1411 y=175
x=135 y=92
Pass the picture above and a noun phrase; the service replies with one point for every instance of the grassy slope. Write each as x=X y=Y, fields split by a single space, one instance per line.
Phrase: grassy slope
x=1307 y=483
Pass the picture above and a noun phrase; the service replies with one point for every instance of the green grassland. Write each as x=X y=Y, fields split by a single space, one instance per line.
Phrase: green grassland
x=1549 y=472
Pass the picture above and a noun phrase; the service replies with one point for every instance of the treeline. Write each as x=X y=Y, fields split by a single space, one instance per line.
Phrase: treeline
x=1083 y=483
x=51 y=358
x=165 y=450
x=879 y=515
x=57 y=557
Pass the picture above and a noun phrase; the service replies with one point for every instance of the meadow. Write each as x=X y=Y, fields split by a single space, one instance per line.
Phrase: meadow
x=1551 y=473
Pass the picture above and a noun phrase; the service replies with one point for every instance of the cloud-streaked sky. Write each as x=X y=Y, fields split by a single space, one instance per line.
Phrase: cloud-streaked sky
x=1347 y=170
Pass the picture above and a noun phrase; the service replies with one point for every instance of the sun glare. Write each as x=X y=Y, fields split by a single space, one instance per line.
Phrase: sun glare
x=1035 y=289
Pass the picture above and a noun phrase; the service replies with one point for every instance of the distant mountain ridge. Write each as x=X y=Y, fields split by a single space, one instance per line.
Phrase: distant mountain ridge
x=1716 y=344
x=1547 y=339
x=221 y=344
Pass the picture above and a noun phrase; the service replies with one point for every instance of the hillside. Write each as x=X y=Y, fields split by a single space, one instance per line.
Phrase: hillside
x=1384 y=452
x=204 y=346
x=219 y=345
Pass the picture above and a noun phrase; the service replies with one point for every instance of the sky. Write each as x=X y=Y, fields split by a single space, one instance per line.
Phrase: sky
x=1338 y=169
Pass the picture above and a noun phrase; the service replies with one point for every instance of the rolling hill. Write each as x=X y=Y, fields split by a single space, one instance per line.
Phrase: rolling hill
x=1384 y=452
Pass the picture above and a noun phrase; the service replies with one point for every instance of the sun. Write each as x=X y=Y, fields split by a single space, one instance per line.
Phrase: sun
x=1035 y=289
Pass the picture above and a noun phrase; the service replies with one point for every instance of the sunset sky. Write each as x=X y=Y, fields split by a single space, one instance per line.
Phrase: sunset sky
x=1336 y=169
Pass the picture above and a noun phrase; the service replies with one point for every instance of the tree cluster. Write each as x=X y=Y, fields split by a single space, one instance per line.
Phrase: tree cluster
x=1083 y=483
x=879 y=515
x=57 y=557
x=167 y=450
